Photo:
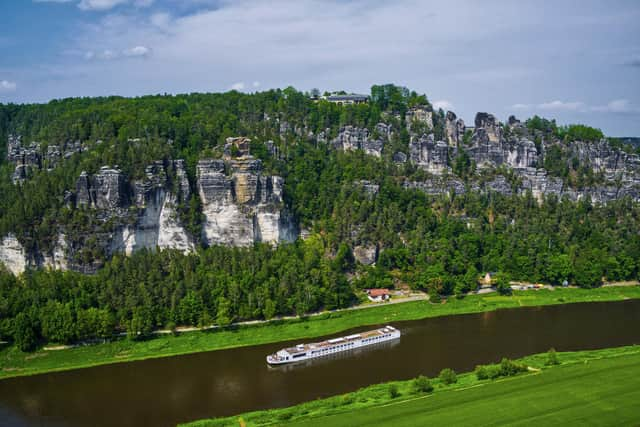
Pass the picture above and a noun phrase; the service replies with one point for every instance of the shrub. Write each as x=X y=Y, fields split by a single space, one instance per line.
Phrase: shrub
x=482 y=372
x=393 y=391
x=422 y=385
x=494 y=371
x=448 y=376
x=509 y=368
x=552 y=358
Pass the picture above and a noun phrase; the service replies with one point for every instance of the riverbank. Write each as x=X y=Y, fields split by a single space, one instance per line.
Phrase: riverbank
x=598 y=386
x=15 y=363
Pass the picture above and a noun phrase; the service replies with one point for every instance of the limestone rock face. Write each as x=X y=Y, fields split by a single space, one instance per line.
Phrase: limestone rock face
x=520 y=154
x=157 y=223
x=365 y=254
x=243 y=207
x=28 y=158
x=438 y=186
x=106 y=190
x=12 y=254
x=490 y=125
x=429 y=155
x=454 y=129
x=352 y=138
x=57 y=259
x=419 y=115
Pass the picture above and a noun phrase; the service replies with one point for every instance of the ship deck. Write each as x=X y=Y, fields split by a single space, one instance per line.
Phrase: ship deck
x=301 y=348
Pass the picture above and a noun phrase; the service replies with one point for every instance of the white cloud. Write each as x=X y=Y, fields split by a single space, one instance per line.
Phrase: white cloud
x=562 y=106
x=256 y=84
x=521 y=106
x=99 y=5
x=444 y=104
x=237 y=86
x=108 y=54
x=7 y=86
x=616 y=106
x=137 y=51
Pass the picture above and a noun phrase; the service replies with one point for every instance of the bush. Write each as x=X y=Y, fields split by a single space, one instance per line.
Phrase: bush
x=509 y=368
x=448 y=376
x=506 y=368
x=494 y=371
x=552 y=358
x=393 y=391
x=422 y=385
x=482 y=372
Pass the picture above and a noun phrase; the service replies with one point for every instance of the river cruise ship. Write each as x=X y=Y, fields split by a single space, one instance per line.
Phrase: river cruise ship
x=332 y=346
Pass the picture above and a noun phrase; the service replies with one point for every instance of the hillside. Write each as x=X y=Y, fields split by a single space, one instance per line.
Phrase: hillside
x=292 y=202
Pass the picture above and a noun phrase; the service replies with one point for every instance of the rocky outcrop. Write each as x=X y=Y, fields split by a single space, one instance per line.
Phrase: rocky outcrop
x=419 y=117
x=352 y=138
x=365 y=254
x=12 y=254
x=429 y=155
x=244 y=206
x=57 y=259
x=32 y=157
x=106 y=190
x=438 y=186
x=489 y=125
x=156 y=199
x=454 y=129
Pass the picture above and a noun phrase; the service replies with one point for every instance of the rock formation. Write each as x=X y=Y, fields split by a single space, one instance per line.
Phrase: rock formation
x=352 y=138
x=421 y=115
x=244 y=206
x=454 y=129
x=12 y=254
x=429 y=155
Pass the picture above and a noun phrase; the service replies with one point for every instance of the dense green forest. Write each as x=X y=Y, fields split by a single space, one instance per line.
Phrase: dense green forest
x=440 y=244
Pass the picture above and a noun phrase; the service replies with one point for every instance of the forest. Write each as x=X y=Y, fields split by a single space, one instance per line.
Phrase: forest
x=439 y=244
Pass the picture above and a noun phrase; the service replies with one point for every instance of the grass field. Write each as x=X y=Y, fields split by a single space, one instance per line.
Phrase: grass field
x=600 y=387
x=15 y=363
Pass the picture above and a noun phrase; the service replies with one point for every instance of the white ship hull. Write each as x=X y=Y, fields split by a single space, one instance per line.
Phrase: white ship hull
x=337 y=345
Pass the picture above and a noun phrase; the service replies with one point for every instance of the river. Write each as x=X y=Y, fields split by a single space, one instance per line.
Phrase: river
x=165 y=391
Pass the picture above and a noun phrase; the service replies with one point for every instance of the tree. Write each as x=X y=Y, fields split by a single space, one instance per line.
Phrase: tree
x=141 y=324
x=223 y=316
x=558 y=268
x=448 y=376
x=502 y=284
x=24 y=334
x=422 y=384
x=587 y=270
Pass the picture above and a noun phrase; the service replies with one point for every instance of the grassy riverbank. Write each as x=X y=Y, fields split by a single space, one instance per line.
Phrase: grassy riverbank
x=600 y=387
x=15 y=363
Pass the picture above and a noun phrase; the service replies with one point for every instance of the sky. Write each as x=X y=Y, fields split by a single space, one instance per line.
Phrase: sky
x=576 y=61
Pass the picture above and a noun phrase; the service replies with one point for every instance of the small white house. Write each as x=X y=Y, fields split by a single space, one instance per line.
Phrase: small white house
x=378 y=295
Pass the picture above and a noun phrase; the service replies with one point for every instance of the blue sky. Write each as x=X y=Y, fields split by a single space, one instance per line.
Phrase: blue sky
x=576 y=61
